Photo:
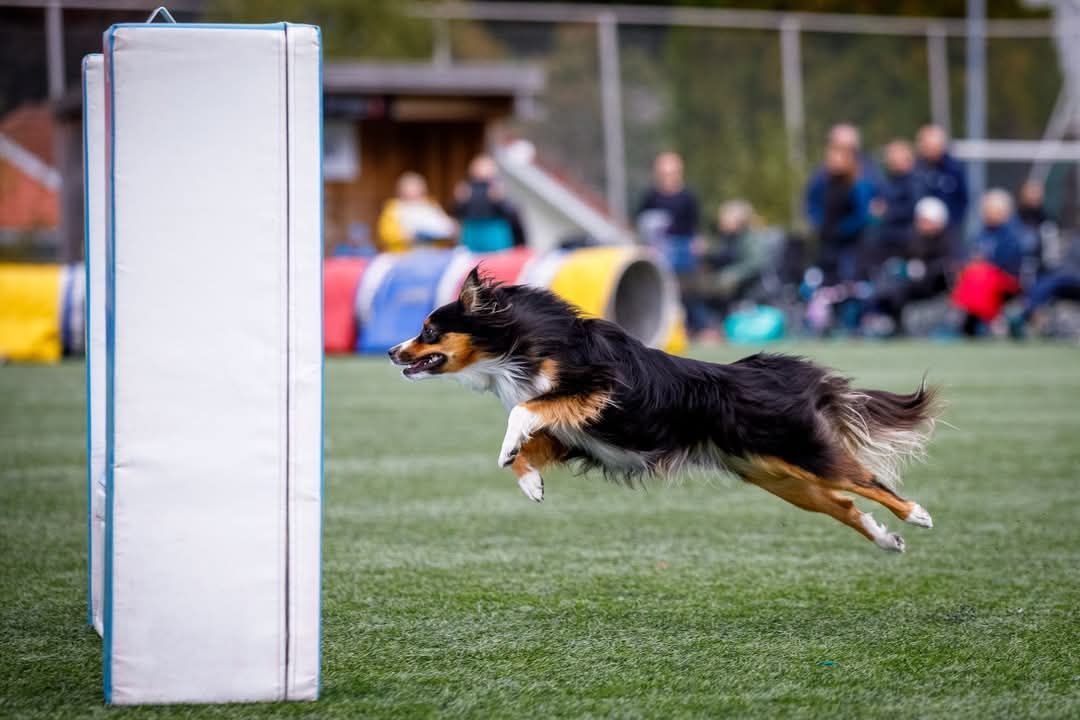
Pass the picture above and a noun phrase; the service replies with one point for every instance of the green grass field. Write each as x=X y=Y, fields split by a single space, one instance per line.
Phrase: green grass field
x=448 y=593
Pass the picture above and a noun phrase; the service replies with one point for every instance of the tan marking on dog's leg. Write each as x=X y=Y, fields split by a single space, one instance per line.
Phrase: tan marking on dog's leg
x=809 y=492
x=866 y=486
x=571 y=412
x=536 y=453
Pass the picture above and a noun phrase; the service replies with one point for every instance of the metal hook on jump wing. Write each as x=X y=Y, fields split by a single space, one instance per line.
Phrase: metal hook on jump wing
x=163 y=12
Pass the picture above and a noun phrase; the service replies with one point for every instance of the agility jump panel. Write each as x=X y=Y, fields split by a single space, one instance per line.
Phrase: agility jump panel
x=213 y=419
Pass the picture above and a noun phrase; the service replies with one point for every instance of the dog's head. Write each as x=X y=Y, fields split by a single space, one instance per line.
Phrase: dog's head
x=477 y=327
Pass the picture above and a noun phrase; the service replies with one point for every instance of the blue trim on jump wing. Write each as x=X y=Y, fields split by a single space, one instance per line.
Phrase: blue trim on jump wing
x=110 y=371
x=86 y=355
x=322 y=370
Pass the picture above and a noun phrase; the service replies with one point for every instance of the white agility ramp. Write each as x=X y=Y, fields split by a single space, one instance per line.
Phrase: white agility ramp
x=205 y=573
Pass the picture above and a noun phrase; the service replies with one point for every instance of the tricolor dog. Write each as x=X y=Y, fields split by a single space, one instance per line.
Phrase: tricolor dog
x=582 y=390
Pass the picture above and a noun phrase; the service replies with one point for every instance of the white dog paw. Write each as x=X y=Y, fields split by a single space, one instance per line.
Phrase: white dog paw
x=519 y=426
x=919 y=516
x=881 y=536
x=891 y=543
x=532 y=485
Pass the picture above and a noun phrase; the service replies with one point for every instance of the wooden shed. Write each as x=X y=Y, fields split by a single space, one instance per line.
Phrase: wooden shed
x=385 y=119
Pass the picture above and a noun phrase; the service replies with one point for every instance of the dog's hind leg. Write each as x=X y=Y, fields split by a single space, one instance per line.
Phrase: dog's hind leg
x=907 y=510
x=534 y=455
x=860 y=481
x=809 y=492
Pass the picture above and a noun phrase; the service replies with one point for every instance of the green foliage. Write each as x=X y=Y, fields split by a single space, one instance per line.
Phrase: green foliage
x=926 y=8
x=350 y=28
x=726 y=117
x=726 y=112
x=569 y=128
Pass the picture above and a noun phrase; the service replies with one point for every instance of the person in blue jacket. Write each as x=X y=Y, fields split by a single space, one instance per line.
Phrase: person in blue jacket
x=843 y=135
x=1000 y=239
x=940 y=175
x=845 y=215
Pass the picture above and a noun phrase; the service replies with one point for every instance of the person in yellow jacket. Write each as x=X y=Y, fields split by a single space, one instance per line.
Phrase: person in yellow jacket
x=413 y=219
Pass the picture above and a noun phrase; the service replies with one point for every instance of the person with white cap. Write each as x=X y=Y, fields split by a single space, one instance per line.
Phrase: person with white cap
x=925 y=269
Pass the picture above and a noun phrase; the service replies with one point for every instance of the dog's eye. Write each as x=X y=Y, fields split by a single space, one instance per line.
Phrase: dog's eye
x=428 y=336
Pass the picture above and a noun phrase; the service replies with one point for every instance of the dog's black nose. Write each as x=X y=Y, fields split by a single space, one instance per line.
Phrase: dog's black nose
x=390 y=352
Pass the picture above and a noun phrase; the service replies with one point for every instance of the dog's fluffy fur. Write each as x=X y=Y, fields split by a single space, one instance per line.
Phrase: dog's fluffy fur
x=582 y=390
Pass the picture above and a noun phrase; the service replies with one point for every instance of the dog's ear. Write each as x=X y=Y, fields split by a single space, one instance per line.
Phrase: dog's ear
x=476 y=293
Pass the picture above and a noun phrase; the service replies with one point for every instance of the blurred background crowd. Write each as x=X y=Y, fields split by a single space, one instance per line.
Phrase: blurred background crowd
x=887 y=249
x=829 y=167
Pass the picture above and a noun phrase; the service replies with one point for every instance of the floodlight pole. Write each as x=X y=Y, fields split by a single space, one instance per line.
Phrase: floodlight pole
x=607 y=33
x=976 y=97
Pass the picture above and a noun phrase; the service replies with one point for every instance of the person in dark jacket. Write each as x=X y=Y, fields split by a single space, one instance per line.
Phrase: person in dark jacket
x=1031 y=206
x=488 y=220
x=846 y=214
x=847 y=136
x=922 y=269
x=993 y=275
x=669 y=216
x=899 y=193
x=679 y=207
x=1000 y=240
x=1063 y=283
x=1034 y=221
x=941 y=175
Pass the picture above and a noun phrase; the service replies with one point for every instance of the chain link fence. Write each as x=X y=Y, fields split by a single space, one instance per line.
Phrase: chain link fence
x=719 y=95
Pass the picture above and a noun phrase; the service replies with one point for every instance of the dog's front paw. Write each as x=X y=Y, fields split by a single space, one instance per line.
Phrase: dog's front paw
x=507 y=456
x=519 y=426
x=532 y=485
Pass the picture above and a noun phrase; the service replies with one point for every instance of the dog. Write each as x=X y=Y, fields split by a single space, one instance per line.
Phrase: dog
x=581 y=390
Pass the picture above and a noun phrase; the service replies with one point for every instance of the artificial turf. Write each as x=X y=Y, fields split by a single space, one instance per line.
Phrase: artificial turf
x=448 y=593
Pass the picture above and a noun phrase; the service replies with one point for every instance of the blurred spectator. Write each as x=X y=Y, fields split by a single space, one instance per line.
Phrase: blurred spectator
x=1061 y=284
x=489 y=222
x=669 y=215
x=1031 y=208
x=846 y=136
x=1034 y=222
x=670 y=200
x=412 y=218
x=921 y=271
x=846 y=213
x=744 y=252
x=999 y=240
x=899 y=193
x=993 y=275
x=940 y=175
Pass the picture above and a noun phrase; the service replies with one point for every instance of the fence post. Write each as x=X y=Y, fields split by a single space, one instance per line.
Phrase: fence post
x=611 y=108
x=442 y=45
x=976 y=99
x=937 y=61
x=791 y=69
x=54 y=48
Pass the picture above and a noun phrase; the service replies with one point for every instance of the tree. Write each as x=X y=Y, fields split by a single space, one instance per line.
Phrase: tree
x=368 y=29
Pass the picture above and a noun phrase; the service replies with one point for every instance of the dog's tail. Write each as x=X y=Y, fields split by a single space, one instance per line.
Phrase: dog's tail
x=884 y=430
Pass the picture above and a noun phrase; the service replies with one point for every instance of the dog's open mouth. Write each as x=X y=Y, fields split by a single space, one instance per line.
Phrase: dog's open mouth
x=425 y=364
